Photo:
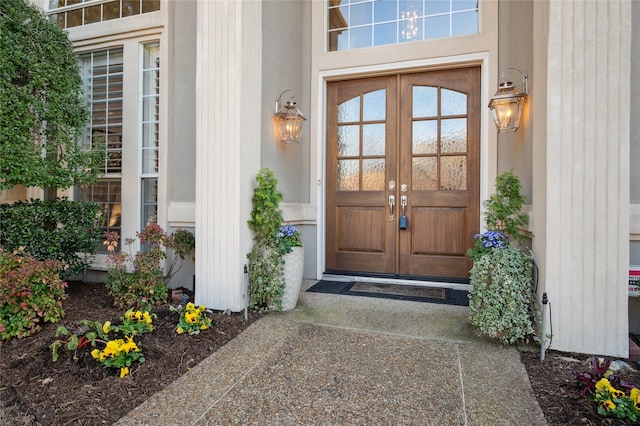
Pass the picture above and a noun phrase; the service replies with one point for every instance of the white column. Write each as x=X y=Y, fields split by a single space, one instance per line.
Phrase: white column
x=228 y=105
x=581 y=211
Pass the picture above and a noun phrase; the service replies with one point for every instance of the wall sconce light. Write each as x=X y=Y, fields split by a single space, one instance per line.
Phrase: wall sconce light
x=508 y=102
x=289 y=119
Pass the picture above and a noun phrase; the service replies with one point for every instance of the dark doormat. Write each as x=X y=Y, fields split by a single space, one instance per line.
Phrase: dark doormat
x=390 y=291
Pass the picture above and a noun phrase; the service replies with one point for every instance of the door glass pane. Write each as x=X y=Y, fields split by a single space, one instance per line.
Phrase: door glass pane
x=424 y=173
x=348 y=141
x=349 y=111
x=373 y=139
x=374 y=105
x=453 y=103
x=425 y=137
x=425 y=101
x=453 y=135
x=373 y=175
x=453 y=173
x=348 y=175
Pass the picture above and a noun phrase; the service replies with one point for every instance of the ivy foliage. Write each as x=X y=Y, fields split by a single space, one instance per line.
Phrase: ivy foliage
x=266 y=276
x=55 y=229
x=43 y=111
x=501 y=299
x=503 y=209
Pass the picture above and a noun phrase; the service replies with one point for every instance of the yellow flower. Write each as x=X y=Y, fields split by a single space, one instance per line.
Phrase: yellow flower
x=106 y=326
x=203 y=327
x=179 y=330
x=635 y=397
x=190 y=306
x=95 y=353
x=146 y=317
x=608 y=405
x=191 y=317
x=603 y=385
x=615 y=393
x=124 y=371
x=201 y=308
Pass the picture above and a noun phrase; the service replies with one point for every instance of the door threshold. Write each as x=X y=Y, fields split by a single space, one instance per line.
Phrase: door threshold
x=395 y=281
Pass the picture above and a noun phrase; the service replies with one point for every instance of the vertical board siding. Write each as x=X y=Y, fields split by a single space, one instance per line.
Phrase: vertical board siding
x=587 y=234
x=227 y=150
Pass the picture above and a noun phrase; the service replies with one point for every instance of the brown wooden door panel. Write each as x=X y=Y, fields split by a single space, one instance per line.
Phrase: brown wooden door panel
x=361 y=125
x=422 y=133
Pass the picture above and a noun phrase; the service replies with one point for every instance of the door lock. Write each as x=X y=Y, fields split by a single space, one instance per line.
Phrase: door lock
x=403 y=218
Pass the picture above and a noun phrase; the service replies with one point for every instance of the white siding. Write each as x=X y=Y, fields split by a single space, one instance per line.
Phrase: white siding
x=227 y=145
x=585 y=239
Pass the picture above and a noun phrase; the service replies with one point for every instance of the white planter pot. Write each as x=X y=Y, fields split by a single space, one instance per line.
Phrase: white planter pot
x=293 y=266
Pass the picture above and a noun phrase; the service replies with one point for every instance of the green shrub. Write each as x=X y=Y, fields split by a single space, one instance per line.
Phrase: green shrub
x=31 y=292
x=503 y=209
x=55 y=229
x=266 y=276
x=146 y=283
x=501 y=299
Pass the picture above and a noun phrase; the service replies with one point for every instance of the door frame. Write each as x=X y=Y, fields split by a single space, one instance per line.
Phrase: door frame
x=488 y=139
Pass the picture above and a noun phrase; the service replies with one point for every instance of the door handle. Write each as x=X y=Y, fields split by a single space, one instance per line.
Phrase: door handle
x=392 y=202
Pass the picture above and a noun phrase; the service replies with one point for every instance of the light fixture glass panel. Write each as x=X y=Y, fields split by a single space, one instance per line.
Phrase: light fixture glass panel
x=425 y=137
x=348 y=175
x=373 y=139
x=374 y=105
x=424 y=173
x=373 y=176
x=453 y=103
x=349 y=111
x=453 y=135
x=453 y=173
x=348 y=141
x=425 y=101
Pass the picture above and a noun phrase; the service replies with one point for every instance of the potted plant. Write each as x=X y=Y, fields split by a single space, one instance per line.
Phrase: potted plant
x=292 y=251
x=502 y=294
x=272 y=242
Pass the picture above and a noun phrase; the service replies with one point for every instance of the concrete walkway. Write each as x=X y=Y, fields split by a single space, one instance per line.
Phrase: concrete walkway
x=346 y=360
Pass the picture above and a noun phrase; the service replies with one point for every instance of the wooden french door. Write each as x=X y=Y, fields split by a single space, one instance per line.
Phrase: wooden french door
x=403 y=145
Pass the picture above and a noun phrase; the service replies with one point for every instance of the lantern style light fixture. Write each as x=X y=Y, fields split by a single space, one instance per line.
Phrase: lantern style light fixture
x=289 y=119
x=508 y=102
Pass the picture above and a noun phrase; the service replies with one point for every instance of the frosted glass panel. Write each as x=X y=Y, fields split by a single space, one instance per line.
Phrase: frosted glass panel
x=424 y=173
x=453 y=103
x=349 y=111
x=425 y=101
x=453 y=135
x=348 y=175
x=348 y=141
x=453 y=173
x=374 y=106
x=373 y=139
x=373 y=175
x=425 y=137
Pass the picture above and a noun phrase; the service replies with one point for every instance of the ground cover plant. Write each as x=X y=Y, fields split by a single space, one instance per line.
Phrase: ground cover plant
x=37 y=390
x=34 y=389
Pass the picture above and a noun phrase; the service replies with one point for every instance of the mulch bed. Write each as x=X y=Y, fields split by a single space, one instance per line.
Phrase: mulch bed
x=36 y=390
x=559 y=394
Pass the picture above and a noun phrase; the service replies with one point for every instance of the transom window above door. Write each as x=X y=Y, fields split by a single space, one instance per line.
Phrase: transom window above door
x=354 y=24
